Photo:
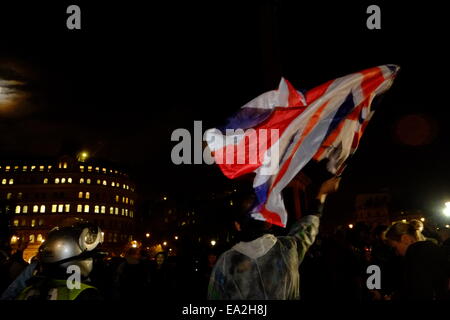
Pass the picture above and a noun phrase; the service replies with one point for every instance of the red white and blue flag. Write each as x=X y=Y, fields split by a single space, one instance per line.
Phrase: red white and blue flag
x=276 y=134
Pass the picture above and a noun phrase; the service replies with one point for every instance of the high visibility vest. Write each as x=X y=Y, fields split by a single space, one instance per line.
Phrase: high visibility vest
x=58 y=291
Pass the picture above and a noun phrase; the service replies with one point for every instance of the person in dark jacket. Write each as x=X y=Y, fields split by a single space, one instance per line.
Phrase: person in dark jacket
x=425 y=267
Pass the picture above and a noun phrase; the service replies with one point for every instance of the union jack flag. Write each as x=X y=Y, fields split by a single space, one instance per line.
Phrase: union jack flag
x=291 y=128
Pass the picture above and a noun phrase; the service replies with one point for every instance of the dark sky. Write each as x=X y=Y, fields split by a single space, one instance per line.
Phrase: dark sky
x=133 y=74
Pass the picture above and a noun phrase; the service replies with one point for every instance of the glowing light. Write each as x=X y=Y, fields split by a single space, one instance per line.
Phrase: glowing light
x=350 y=226
x=422 y=219
x=134 y=244
x=13 y=239
x=147 y=235
x=447 y=226
x=213 y=242
x=176 y=237
x=164 y=198
x=404 y=220
x=446 y=210
x=164 y=243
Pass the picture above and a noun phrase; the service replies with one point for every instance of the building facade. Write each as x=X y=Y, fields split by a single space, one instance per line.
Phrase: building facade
x=39 y=195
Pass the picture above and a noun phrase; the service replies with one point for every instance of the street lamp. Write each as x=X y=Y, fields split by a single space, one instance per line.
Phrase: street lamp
x=147 y=235
x=446 y=210
x=213 y=242
x=164 y=243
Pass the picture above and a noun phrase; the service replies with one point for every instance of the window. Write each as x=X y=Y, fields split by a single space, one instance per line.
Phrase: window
x=88 y=181
x=112 y=184
x=103 y=209
x=41 y=168
x=67 y=208
x=31 y=238
x=11 y=181
x=35 y=208
x=126 y=212
x=131 y=201
x=39 y=238
x=126 y=200
x=96 y=209
x=80 y=195
x=117 y=198
x=97 y=169
x=82 y=168
x=63 y=180
x=116 y=211
x=16 y=168
x=104 y=182
x=16 y=223
x=98 y=181
x=128 y=187
x=7 y=168
x=111 y=210
x=49 y=167
x=81 y=180
x=86 y=208
x=69 y=180
x=117 y=185
x=41 y=222
x=45 y=180
x=123 y=185
x=60 y=208
x=65 y=165
x=4 y=181
x=32 y=168
x=57 y=180
x=90 y=168
x=131 y=213
x=87 y=195
x=25 y=168
x=123 y=211
x=80 y=208
x=8 y=196
x=17 y=209
x=54 y=207
x=42 y=209
x=25 y=209
x=104 y=170
x=33 y=223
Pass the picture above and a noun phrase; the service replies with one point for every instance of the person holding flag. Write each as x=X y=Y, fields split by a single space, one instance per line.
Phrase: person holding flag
x=323 y=125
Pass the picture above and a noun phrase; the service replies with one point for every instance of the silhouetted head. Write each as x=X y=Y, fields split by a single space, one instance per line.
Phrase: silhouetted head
x=401 y=235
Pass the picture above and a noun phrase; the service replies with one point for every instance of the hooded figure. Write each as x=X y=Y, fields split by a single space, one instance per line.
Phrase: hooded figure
x=263 y=266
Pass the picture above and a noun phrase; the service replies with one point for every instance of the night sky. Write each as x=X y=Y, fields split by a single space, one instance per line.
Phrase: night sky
x=133 y=74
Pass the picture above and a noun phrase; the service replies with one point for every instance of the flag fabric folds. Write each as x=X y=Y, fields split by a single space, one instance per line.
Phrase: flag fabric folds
x=276 y=134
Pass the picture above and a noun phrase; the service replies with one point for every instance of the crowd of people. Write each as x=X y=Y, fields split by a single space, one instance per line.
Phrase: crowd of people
x=302 y=264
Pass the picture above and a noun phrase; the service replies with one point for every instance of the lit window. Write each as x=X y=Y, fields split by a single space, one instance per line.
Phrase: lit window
x=60 y=208
x=25 y=168
x=88 y=181
x=103 y=209
x=8 y=196
x=90 y=168
x=123 y=211
x=45 y=180
x=111 y=210
x=82 y=168
x=63 y=180
x=59 y=165
x=117 y=198
x=104 y=182
x=16 y=168
x=67 y=208
x=116 y=172
x=112 y=184
x=80 y=208
x=11 y=181
x=17 y=209
x=42 y=209
x=128 y=187
x=87 y=195
x=80 y=195
x=126 y=200
x=35 y=208
x=96 y=209
x=7 y=168
x=65 y=165
x=25 y=209
x=41 y=222
x=81 y=180
x=4 y=181
x=126 y=212
x=41 y=168
x=19 y=195
x=97 y=169
x=57 y=180
x=104 y=170
x=31 y=238
x=116 y=211
x=86 y=208
x=54 y=207
x=110 y=171
x=16 y=223
x=69 y=180
x=39 y=238
x=49 y=167
x=123 y=199
x=124 y=185
x=131 y=201
x=32 y=168
x=98 y=181
x=33 y=223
